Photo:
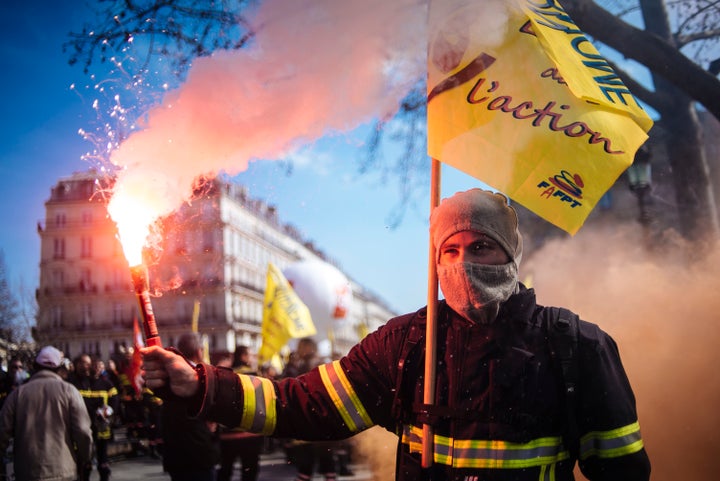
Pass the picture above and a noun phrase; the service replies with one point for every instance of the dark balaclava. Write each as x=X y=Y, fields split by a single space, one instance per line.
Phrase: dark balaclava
x=475 y=291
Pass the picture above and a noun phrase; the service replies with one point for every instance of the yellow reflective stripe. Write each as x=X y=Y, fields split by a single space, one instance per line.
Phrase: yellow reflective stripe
x=612 y=444
x=476 y=453
x=90 y=394
x=344 y=397
x=259 y=413
x=270 y=408
x=547 y=472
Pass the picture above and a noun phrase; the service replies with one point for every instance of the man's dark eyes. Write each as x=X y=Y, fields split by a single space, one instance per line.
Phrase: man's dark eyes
x=482 y=246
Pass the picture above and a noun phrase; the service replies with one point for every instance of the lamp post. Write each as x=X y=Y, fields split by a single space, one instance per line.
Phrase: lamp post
x=639 y=178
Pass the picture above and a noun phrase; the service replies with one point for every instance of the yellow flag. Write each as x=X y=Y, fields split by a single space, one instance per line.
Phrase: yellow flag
x=195 y=316
x=520 y=99
x=284 y=315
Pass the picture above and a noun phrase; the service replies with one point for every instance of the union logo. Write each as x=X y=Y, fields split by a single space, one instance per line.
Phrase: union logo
x=565 y=186
x=571 y=184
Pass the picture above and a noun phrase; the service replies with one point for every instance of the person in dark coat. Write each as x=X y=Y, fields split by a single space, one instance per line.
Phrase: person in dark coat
x=309 y=456
x=236 y=443
x=190 y=445
x=102 y=402
x=502 y=410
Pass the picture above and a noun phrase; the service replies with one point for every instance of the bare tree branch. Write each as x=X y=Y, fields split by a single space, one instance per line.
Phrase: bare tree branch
x=650 y=50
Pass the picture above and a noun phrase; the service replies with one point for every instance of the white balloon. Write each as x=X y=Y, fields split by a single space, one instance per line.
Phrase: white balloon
x=325 y=290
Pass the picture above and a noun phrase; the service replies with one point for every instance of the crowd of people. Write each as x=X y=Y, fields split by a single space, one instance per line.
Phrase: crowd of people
x=189 y=449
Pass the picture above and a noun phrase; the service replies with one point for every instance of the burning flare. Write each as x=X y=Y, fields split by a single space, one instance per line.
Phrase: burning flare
x=133 y=218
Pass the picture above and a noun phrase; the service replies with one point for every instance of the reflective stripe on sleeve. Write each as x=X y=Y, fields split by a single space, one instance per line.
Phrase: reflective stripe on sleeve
x=343 y=395
x=91 y=394
x=259 y=414
x=612 y=444
x=490 y=454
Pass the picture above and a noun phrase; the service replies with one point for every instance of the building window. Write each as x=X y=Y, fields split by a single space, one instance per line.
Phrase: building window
x=56 y=314
x=181 y=311
x=58 y=278
x=119 y=278
x=58 y=248
x=85 y=279
x=86 y=247
x=236 y=309
x=87 y=217
x=117 y=314
x=86 y=314
x=211 y=309
x=87 y=189
x=60 y=219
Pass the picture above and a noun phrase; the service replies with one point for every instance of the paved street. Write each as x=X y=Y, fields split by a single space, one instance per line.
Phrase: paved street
x=273 y=468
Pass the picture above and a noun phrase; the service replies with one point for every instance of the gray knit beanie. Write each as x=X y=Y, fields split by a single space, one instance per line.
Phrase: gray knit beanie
x=480 y=211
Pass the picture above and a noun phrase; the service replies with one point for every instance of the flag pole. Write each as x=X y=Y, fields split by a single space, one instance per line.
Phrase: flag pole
x=431 y=328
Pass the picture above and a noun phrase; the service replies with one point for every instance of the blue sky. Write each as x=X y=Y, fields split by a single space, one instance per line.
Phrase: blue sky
x=40 y=118
x=346 y=215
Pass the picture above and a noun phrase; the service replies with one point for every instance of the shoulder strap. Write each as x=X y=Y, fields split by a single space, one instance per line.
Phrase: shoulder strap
x=563 y=340
x=412 y=337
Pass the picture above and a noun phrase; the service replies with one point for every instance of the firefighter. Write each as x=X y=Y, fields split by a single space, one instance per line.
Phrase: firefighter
x=505 y=408
x=102 y=402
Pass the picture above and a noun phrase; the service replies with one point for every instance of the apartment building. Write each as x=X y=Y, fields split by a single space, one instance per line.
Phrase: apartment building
x=209 y=266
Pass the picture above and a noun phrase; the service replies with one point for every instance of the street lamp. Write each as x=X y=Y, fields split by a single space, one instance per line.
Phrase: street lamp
x=639 y=177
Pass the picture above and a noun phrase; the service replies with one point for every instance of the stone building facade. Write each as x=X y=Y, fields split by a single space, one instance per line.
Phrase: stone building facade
x=210 y=264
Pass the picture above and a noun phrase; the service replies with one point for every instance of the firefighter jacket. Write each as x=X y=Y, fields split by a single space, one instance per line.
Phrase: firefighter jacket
x=499 y=411
x=97 y=393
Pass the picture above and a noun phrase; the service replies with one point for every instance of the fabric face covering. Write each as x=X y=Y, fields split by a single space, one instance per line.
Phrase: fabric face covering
x=473 y=289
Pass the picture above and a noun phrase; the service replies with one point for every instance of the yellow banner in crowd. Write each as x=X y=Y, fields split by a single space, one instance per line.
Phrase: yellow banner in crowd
x=520 y=99
x=284 y=315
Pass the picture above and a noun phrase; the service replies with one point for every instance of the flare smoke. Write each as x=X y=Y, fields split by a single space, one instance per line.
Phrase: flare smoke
x=315 y=67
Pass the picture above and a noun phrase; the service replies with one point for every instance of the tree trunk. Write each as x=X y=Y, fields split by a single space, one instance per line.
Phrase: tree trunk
x=672 y=81
x=690 y=173
x=691 y=180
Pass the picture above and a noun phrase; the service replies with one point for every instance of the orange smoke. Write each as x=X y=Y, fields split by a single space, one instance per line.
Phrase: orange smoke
x=662 y=310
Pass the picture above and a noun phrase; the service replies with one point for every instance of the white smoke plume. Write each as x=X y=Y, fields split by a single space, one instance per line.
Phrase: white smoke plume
x=315 y=67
